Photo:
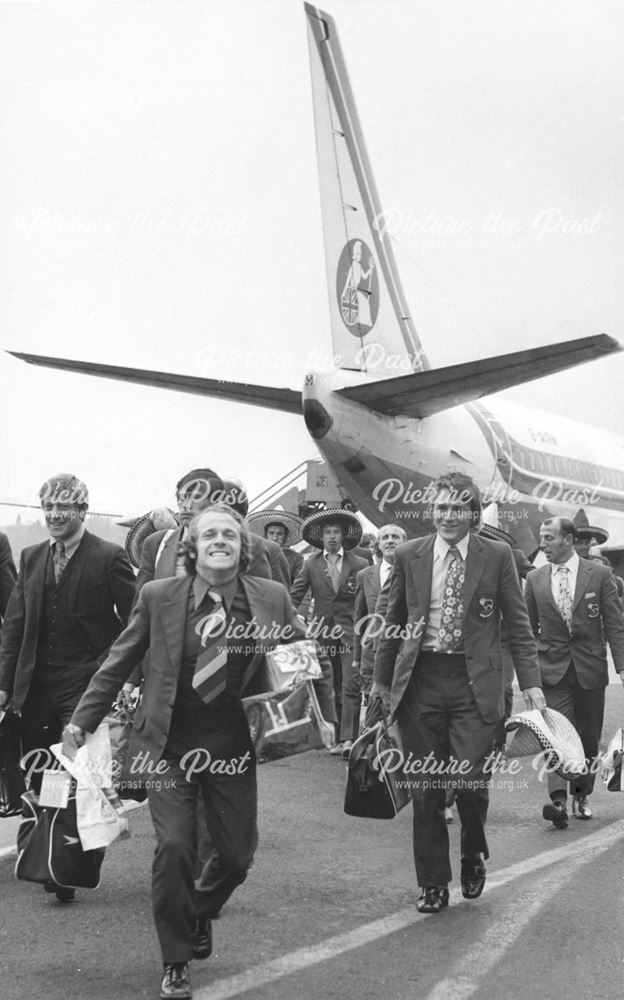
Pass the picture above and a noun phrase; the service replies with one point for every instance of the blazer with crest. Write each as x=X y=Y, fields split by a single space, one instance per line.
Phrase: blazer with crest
x=491 y=588
x=158 y=624
x=330 y=607
x=596 y=615
x=99 y=601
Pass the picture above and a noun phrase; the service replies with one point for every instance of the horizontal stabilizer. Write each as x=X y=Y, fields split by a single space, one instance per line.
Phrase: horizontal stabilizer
x=286 y=400
x=421 y=394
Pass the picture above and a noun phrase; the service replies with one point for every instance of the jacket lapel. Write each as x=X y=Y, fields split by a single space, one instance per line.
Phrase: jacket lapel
x=582 y=581
x=36 y=584
x=166 y=565
x=475 y=563
x=173 y=620
x=262 y=611
x=421 y=568
x=77 y=563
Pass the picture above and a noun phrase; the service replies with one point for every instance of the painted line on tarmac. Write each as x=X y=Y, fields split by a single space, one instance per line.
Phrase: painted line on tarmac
x=263 y=975
x=485 y=954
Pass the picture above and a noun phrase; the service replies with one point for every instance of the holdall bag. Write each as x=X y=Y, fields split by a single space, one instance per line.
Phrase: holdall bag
x=376 y=785
x=12 y=785
x=49 y=848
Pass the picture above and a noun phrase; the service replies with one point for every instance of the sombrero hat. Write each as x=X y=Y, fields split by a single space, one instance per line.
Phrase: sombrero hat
x=585 y=530
x=490 y=526
x=547 y=732
x=260 y=521
x=143 y=527
x=312 y=527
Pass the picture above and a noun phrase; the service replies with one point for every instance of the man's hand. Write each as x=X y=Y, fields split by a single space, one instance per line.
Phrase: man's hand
x=534 y=698
x=381 y=691
x=5 y=697
x=73 y=739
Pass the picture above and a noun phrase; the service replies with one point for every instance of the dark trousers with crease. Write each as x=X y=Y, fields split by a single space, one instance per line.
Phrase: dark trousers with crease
x=230 y=805
x=440 y=726
x=584 y=708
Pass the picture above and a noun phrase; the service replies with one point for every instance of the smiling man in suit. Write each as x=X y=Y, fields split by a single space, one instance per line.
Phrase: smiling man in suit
x=72 y=597
x=191 y=724
x=438 y=671
x=573 y=607
x=331 y=576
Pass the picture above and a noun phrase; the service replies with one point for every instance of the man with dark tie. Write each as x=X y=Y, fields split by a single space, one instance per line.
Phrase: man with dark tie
x=73 y=595
x=191 y=725
x=330 y=574
x=438 y=671
x=574 y=607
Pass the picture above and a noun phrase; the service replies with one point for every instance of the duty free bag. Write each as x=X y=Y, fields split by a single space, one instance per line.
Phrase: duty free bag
x=283 y=723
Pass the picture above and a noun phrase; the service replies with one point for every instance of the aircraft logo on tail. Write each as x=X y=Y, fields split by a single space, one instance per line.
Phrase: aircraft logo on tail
x=357 y=288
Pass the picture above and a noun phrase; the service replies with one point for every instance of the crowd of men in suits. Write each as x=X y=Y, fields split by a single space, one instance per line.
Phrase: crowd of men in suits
x=432 y=630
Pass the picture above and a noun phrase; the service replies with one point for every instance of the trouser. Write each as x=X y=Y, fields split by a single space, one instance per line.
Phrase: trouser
x=584 y=708
x=347 y=688
x=441 y=727
x=230 y=802
x=50 y=704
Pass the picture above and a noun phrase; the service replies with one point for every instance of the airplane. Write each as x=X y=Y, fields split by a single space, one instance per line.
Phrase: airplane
x=388 y=436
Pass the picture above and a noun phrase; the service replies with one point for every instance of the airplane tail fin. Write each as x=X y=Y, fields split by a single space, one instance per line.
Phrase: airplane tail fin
x=370 y=322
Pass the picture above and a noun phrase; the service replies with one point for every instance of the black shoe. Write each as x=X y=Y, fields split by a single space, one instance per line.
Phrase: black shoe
x=432 y=899
x=201 y=938
x=63 y=894
x=557 y=813
x=472 y=877
x=176 y=982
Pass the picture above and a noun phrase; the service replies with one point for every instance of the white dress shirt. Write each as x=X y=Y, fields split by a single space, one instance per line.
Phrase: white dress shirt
x=573 y=564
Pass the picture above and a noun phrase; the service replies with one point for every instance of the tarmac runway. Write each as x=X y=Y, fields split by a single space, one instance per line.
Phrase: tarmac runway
x=328 y=910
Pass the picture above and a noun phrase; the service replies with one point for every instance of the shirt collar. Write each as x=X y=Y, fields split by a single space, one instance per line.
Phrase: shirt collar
x=72 y=544
x=201 y=587
x=339 y=553
x=572 y=563
x=441 y=548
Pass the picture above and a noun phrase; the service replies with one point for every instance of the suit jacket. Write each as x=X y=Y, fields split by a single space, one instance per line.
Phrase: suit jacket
x=491 y=588
x=595 y=607
x=366 y=594
x=295 y=562
x=8 y=573
x=158 y=623
x=330 y=608
x=267 y=559
x=101 y=581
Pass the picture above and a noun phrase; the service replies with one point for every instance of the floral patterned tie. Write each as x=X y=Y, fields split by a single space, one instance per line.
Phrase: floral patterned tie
x=60 y=560
x=564 y=596
x=450 y=634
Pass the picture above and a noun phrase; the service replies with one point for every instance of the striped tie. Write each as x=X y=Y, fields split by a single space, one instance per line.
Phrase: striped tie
x=210 y=674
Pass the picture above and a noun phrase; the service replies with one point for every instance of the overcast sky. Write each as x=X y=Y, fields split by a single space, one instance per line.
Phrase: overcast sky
x=159 y=208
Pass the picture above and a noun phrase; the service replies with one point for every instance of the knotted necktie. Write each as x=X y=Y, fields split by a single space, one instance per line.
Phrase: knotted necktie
x=450 y=635
x=210 y=674
x=333 y=570
x=564 y=596
x=60 y=560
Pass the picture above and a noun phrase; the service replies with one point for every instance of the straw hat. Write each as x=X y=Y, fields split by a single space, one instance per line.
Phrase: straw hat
x=585 y=530
x=260 y=521
x=143 y=527
x=490 y=526
x=535 y=732
x=312 y=527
